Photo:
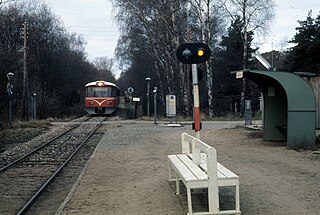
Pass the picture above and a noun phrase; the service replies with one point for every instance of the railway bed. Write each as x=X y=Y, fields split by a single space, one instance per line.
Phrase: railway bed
x=26 y=181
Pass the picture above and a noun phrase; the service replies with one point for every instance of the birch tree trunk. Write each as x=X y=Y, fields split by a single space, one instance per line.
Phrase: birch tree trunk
x=208 y=63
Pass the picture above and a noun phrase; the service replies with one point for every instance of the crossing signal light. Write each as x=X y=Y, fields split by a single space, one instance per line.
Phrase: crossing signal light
x=193 y=53
x=200 y=52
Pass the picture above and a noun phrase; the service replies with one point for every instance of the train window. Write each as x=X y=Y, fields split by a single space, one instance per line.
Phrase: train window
x=101 y=92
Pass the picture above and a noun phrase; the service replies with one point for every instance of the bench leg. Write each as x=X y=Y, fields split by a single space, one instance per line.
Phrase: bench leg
x=169 y=167
x=177 y=185
x=213 y=198
x=189 y=201
x=237 y=198
x=176 y=179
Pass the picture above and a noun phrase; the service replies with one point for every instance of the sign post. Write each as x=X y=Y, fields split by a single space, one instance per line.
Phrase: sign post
x=136 y=100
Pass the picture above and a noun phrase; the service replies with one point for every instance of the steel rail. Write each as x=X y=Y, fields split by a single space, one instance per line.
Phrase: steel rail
x=25 y=208
x=35 y=150
x=2 y=169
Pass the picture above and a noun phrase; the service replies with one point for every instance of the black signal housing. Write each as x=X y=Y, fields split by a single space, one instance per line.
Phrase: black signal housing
x=193 y=53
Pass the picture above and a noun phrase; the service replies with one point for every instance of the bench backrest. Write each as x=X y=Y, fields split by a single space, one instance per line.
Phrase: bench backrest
x=199 y=147
x=186 y=142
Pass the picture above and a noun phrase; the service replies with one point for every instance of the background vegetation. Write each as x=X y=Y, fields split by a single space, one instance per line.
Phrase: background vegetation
x=57 y=63
x=151 y=31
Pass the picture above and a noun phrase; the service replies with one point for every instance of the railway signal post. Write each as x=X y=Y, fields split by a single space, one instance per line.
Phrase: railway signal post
x=194 y=53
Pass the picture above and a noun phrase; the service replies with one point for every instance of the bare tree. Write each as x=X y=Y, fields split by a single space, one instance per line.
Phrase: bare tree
x=104 y=66
x=104 y=63
x=153 y=27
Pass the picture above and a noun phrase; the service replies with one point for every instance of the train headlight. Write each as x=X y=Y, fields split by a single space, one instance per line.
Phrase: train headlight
x=100 y=84
x=91 y=103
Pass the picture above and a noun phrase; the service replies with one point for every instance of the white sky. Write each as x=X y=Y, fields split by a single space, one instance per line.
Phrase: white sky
x=287 y=14
x=94 y=20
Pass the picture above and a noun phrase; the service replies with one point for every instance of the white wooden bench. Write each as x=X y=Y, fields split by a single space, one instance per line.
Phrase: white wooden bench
x=198 y=168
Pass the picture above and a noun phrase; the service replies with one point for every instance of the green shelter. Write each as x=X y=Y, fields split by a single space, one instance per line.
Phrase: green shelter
x=289 y=108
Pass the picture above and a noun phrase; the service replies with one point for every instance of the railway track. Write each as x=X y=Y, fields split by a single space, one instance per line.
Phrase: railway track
x=25 y=179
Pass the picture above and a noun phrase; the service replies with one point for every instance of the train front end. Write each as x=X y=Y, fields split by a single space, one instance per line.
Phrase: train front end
x=101 y=97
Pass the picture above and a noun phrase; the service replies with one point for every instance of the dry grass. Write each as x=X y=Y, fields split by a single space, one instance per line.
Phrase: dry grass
x=22 y=131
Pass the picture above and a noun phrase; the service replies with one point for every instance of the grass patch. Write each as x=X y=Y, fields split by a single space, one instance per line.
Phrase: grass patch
x=22 y=131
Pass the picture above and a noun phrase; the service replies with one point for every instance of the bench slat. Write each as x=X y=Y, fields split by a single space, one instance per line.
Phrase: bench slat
x=223 y=172
x=195 y=169
x=181 y=167
x=226 y=172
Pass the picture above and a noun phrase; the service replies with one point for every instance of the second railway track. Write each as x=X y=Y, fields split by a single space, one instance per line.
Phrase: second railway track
x=24 y=180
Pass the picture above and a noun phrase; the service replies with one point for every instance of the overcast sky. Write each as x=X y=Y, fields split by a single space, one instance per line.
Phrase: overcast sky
x=91 y=18
x=94 y=20
x=287 y=14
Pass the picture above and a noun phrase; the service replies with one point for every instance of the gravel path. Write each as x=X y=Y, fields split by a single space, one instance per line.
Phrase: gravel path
x=128 y=174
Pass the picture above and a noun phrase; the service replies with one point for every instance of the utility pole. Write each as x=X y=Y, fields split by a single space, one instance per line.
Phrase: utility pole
x=25 y=91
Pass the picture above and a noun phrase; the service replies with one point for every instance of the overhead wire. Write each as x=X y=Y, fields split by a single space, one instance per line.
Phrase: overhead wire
x=95 y=32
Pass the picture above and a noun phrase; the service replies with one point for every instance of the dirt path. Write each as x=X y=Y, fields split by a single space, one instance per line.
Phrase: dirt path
x=128 y=174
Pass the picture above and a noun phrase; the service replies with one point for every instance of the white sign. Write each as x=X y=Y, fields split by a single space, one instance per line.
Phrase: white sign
x=239 y=75
x=136 y=99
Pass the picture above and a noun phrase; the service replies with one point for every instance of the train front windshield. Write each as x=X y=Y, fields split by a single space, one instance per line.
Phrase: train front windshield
x=101 y=92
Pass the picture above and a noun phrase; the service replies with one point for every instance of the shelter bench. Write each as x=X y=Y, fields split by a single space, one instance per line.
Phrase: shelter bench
x=198 y=168
x=283 y=130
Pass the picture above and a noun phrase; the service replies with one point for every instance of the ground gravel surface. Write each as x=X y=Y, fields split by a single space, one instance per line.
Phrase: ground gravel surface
x=128 y=173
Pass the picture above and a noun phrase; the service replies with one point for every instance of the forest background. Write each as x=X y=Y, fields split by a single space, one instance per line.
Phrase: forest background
x=151 y=31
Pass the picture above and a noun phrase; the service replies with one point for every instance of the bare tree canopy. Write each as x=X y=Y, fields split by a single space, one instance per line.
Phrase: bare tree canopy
x=256 y=15
x=2 y=2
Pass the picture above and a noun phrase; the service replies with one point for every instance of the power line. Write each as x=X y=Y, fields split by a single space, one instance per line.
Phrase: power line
x=95 y=26
x=88 y=30
x=96 y=35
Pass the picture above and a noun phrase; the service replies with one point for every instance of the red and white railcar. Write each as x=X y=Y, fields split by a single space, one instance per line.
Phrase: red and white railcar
x=101 y=97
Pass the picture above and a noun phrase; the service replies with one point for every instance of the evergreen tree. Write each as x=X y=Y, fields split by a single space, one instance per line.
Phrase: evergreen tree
x=304 y=56
x=228 y=88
